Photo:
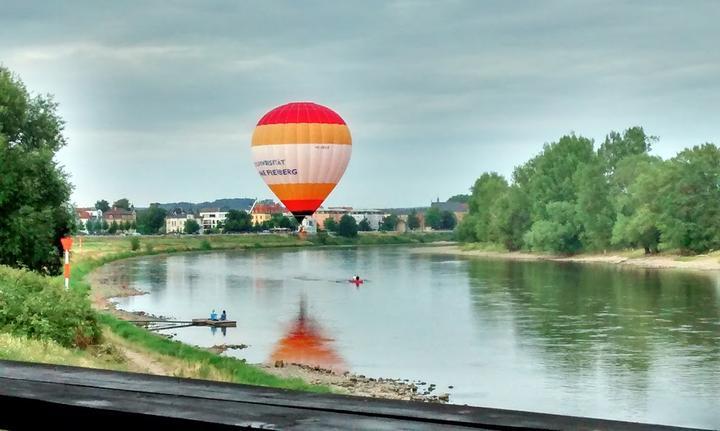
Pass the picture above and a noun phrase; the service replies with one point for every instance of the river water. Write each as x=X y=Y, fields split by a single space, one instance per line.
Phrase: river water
x=586 y=340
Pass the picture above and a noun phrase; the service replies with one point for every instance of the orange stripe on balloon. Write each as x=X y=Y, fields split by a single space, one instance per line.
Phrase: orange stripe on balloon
x=303 y=191
x=301 y=133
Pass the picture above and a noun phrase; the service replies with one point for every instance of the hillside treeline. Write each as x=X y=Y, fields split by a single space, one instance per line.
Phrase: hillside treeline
x=573 y=197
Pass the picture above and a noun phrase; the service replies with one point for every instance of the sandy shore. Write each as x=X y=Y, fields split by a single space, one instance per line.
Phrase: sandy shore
x=694 y=263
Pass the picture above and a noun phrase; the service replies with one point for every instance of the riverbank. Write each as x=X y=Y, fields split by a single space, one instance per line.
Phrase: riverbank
x=635 y=258
x=104 y=282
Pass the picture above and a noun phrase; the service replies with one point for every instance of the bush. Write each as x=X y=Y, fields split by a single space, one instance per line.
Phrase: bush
x=134 y=243
x=149 y=247
x=39 y=307
x=205 y=245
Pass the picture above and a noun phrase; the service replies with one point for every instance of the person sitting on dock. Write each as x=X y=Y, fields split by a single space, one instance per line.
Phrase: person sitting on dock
x=213 y=315
x=223 y=316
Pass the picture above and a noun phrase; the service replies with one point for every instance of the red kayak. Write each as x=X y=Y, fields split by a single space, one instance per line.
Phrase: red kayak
x=356 y=281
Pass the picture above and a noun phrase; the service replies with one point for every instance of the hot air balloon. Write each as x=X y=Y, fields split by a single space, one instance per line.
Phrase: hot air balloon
x=301 y=150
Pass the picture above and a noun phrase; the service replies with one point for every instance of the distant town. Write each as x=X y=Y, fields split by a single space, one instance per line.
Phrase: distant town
x=237 y=215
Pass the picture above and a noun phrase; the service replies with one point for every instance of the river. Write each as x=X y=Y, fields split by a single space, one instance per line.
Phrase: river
x=567 y=338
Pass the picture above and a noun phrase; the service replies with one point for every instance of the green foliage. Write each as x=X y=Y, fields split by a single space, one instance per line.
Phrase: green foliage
x=364 y=225
x=347 y=227
x=560 y=232
x=192 y=226
x=433 y=218
x=34 y=191
x=238 y=221
x=205 y=245
x=389 y=223
x=485 y=192
x=152 y=220
x=134 y=243
x=330 y=225
x=102 y=205
x=112 y=230
x=570 y=198
x=688 y=197
x=413 y=222
x=123 y=203
x=149 y=248
x=39 y=307
x=447 y=220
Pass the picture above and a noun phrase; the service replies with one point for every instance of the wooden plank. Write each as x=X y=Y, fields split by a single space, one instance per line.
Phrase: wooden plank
x=268 y=398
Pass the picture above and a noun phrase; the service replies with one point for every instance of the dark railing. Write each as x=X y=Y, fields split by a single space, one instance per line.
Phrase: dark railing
x=35 y=396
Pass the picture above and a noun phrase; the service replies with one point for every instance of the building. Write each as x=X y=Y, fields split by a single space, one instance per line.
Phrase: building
x=374 y=217
x=85 y=215
x=263 y=211
x=335 y=213
x=212 y=217
x=176 y=219
x=460 y=209
x=119 y=215
x=309 y=225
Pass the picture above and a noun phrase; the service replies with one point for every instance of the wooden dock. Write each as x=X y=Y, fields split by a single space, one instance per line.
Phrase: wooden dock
x=159 y=324
x=34 y=395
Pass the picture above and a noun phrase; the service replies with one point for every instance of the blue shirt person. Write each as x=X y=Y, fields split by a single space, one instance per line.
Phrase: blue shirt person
x=213 y=315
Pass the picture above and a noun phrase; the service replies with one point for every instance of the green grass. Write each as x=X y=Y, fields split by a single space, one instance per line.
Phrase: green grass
x=19 y=348
x=238 y=369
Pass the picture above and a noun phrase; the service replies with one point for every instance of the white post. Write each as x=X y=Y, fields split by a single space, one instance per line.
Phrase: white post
x=67 y=267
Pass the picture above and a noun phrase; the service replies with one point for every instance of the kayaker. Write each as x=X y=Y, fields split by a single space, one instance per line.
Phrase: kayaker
x=213 y=315
x=223 y=316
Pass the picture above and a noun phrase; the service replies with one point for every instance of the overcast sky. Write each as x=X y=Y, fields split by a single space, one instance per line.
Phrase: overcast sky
x=161 y=98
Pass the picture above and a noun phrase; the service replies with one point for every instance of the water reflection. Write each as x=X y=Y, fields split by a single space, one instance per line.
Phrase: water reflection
x=304 y=343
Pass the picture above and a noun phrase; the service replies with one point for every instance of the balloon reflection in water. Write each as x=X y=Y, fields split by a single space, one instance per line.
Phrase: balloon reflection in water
x=304 y=344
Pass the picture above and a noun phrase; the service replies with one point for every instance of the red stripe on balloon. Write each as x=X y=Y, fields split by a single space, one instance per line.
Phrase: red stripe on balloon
x=301 y=112
x=302 y=205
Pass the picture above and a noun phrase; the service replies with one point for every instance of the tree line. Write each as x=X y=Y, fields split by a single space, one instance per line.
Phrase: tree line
x=572 y=198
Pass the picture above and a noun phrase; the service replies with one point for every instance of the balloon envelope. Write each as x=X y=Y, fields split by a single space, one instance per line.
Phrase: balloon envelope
x=301 y=150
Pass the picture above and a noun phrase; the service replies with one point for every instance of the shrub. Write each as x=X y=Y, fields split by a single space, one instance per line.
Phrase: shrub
x=205 y=245
x=149 y=247
x=39 y=307
x=134 y=243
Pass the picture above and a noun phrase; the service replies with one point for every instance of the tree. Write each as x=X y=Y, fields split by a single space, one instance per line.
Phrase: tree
x=448 y=220
x=485 y=192
x=616 y=147
x=330 y=225
x=433 y=218
x=238 y=221
x=364 y=225
x=389 y=223
x=102 y=205
x=560 y=232
x=123 y=203
x=150 y=221
x=413 y=222
x=34 y=191
x=104 y=226
x=347 y=226
x=688 y=199
x=510 y=218
x=192 y=226
x=594 y=207
x=112 y=230
x=90 y=226
x=463 y=199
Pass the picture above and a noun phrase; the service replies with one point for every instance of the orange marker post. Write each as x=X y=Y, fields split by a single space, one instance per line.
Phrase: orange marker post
x=67 y=245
